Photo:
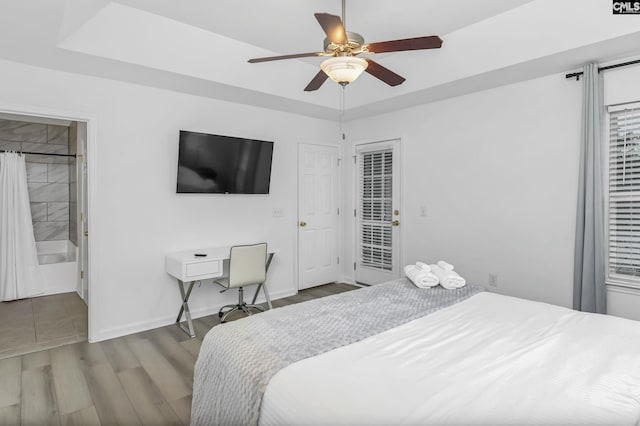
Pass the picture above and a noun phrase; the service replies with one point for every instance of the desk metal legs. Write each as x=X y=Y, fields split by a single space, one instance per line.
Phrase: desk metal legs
x=185 y=309
x=264 y=287
x=266 y=295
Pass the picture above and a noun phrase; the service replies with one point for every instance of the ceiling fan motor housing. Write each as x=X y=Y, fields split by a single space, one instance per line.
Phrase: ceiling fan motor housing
x=353 y=46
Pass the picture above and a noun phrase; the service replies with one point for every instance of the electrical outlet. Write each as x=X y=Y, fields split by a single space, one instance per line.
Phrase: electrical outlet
x=493 y=280
x=423 y=211
x=278 y=212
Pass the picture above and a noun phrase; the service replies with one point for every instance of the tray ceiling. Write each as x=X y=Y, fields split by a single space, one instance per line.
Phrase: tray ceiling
x=202 y=46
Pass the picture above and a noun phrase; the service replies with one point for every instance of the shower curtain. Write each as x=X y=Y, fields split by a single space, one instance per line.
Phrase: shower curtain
x=19 y=272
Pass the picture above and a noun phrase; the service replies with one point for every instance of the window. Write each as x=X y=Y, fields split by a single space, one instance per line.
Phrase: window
x=624 y=196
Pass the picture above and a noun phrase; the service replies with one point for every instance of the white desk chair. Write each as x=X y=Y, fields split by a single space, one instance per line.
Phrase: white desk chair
x=247 y=266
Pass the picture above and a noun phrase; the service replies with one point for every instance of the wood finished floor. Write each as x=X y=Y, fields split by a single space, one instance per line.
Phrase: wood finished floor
x=140 y=379
x=40 y=323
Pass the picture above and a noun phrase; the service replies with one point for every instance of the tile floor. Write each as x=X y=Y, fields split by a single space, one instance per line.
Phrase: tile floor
x=40 y=323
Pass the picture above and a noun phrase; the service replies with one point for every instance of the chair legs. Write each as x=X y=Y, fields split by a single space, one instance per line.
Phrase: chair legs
x=240 y=306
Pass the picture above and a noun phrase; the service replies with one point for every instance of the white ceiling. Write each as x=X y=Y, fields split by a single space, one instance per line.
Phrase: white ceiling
x=201 y=46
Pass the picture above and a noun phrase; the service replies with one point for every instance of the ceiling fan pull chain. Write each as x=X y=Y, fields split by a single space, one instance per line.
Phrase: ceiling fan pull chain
x=342 y=112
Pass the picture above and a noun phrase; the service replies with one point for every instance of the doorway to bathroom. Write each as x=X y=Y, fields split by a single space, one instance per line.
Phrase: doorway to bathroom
x=53 y=152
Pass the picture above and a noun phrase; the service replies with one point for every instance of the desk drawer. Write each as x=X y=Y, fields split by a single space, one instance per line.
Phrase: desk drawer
x=203 y=268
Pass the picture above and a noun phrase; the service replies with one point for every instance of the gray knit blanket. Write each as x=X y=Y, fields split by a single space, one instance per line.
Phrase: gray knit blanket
x=238 y=359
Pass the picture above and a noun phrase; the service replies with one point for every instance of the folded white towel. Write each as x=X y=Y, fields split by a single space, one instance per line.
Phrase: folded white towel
x=420 y=278
x=423 y=266
x=444 y=265
x=448 y=279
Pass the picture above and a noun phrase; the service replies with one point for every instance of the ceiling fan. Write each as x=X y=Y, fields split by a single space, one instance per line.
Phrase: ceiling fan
x=344 y=47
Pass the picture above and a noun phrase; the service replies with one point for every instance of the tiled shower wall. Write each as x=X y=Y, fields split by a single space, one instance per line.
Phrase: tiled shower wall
x=47 y=176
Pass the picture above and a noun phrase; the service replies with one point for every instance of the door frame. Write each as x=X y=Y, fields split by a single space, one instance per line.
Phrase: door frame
x=355 y=188
x=339 y=204
x=92 y=184
x=82 y=170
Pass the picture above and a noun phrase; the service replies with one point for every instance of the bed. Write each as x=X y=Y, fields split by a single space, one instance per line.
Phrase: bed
x=396 y=354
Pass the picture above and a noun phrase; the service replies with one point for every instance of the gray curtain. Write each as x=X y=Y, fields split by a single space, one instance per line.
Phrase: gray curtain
x=589 y=289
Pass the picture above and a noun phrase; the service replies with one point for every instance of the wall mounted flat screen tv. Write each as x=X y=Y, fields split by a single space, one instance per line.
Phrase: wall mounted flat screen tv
x=215 y=164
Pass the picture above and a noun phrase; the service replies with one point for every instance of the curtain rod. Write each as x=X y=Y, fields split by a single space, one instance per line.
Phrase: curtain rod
x=41 y=153
x=624 y=64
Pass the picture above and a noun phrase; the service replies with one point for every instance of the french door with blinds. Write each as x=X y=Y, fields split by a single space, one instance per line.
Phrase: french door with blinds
x=624 y=195
x=377 y=214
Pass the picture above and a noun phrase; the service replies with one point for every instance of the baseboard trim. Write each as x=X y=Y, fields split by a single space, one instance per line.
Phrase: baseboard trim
x=347 y=279
x=112 y=333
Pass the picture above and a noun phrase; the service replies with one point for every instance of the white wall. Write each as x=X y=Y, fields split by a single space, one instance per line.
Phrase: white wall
x=497 y=171
x=139 y=217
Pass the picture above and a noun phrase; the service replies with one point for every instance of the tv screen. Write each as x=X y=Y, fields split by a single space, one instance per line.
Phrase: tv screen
x=223 y=164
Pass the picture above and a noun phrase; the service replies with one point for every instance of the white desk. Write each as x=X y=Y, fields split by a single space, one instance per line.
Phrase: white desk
x=188 y=268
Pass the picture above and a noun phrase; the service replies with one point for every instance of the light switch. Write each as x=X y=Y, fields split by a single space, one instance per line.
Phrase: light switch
x=278 y=212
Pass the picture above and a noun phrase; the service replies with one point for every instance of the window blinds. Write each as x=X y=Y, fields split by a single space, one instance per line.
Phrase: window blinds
x=375 y=209
x=624 y=191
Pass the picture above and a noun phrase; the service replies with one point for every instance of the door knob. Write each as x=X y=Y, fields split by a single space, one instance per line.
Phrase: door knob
x=395 y=223
x=303 y=223
x=396 y=212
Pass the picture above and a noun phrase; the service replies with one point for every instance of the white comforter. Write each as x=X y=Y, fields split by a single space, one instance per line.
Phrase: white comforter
x=489 y=360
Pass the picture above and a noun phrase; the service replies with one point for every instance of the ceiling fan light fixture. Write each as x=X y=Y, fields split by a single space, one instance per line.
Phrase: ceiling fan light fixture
x=344 y=69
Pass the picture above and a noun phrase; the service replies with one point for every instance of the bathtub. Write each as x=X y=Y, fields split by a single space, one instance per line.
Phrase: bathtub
x=58 y=265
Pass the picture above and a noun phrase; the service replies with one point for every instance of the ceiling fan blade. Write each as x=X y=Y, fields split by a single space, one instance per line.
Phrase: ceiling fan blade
x=332 y=26
x=417 y=43
x=317 y=81
x=384 y=74
x=278 y=58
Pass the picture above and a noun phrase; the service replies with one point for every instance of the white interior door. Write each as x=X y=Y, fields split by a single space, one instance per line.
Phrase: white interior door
x=317 y=215
x=377 y=212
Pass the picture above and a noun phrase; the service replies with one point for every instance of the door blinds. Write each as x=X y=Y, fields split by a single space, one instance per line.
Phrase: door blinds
x=624 y=192
x=375 y=209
